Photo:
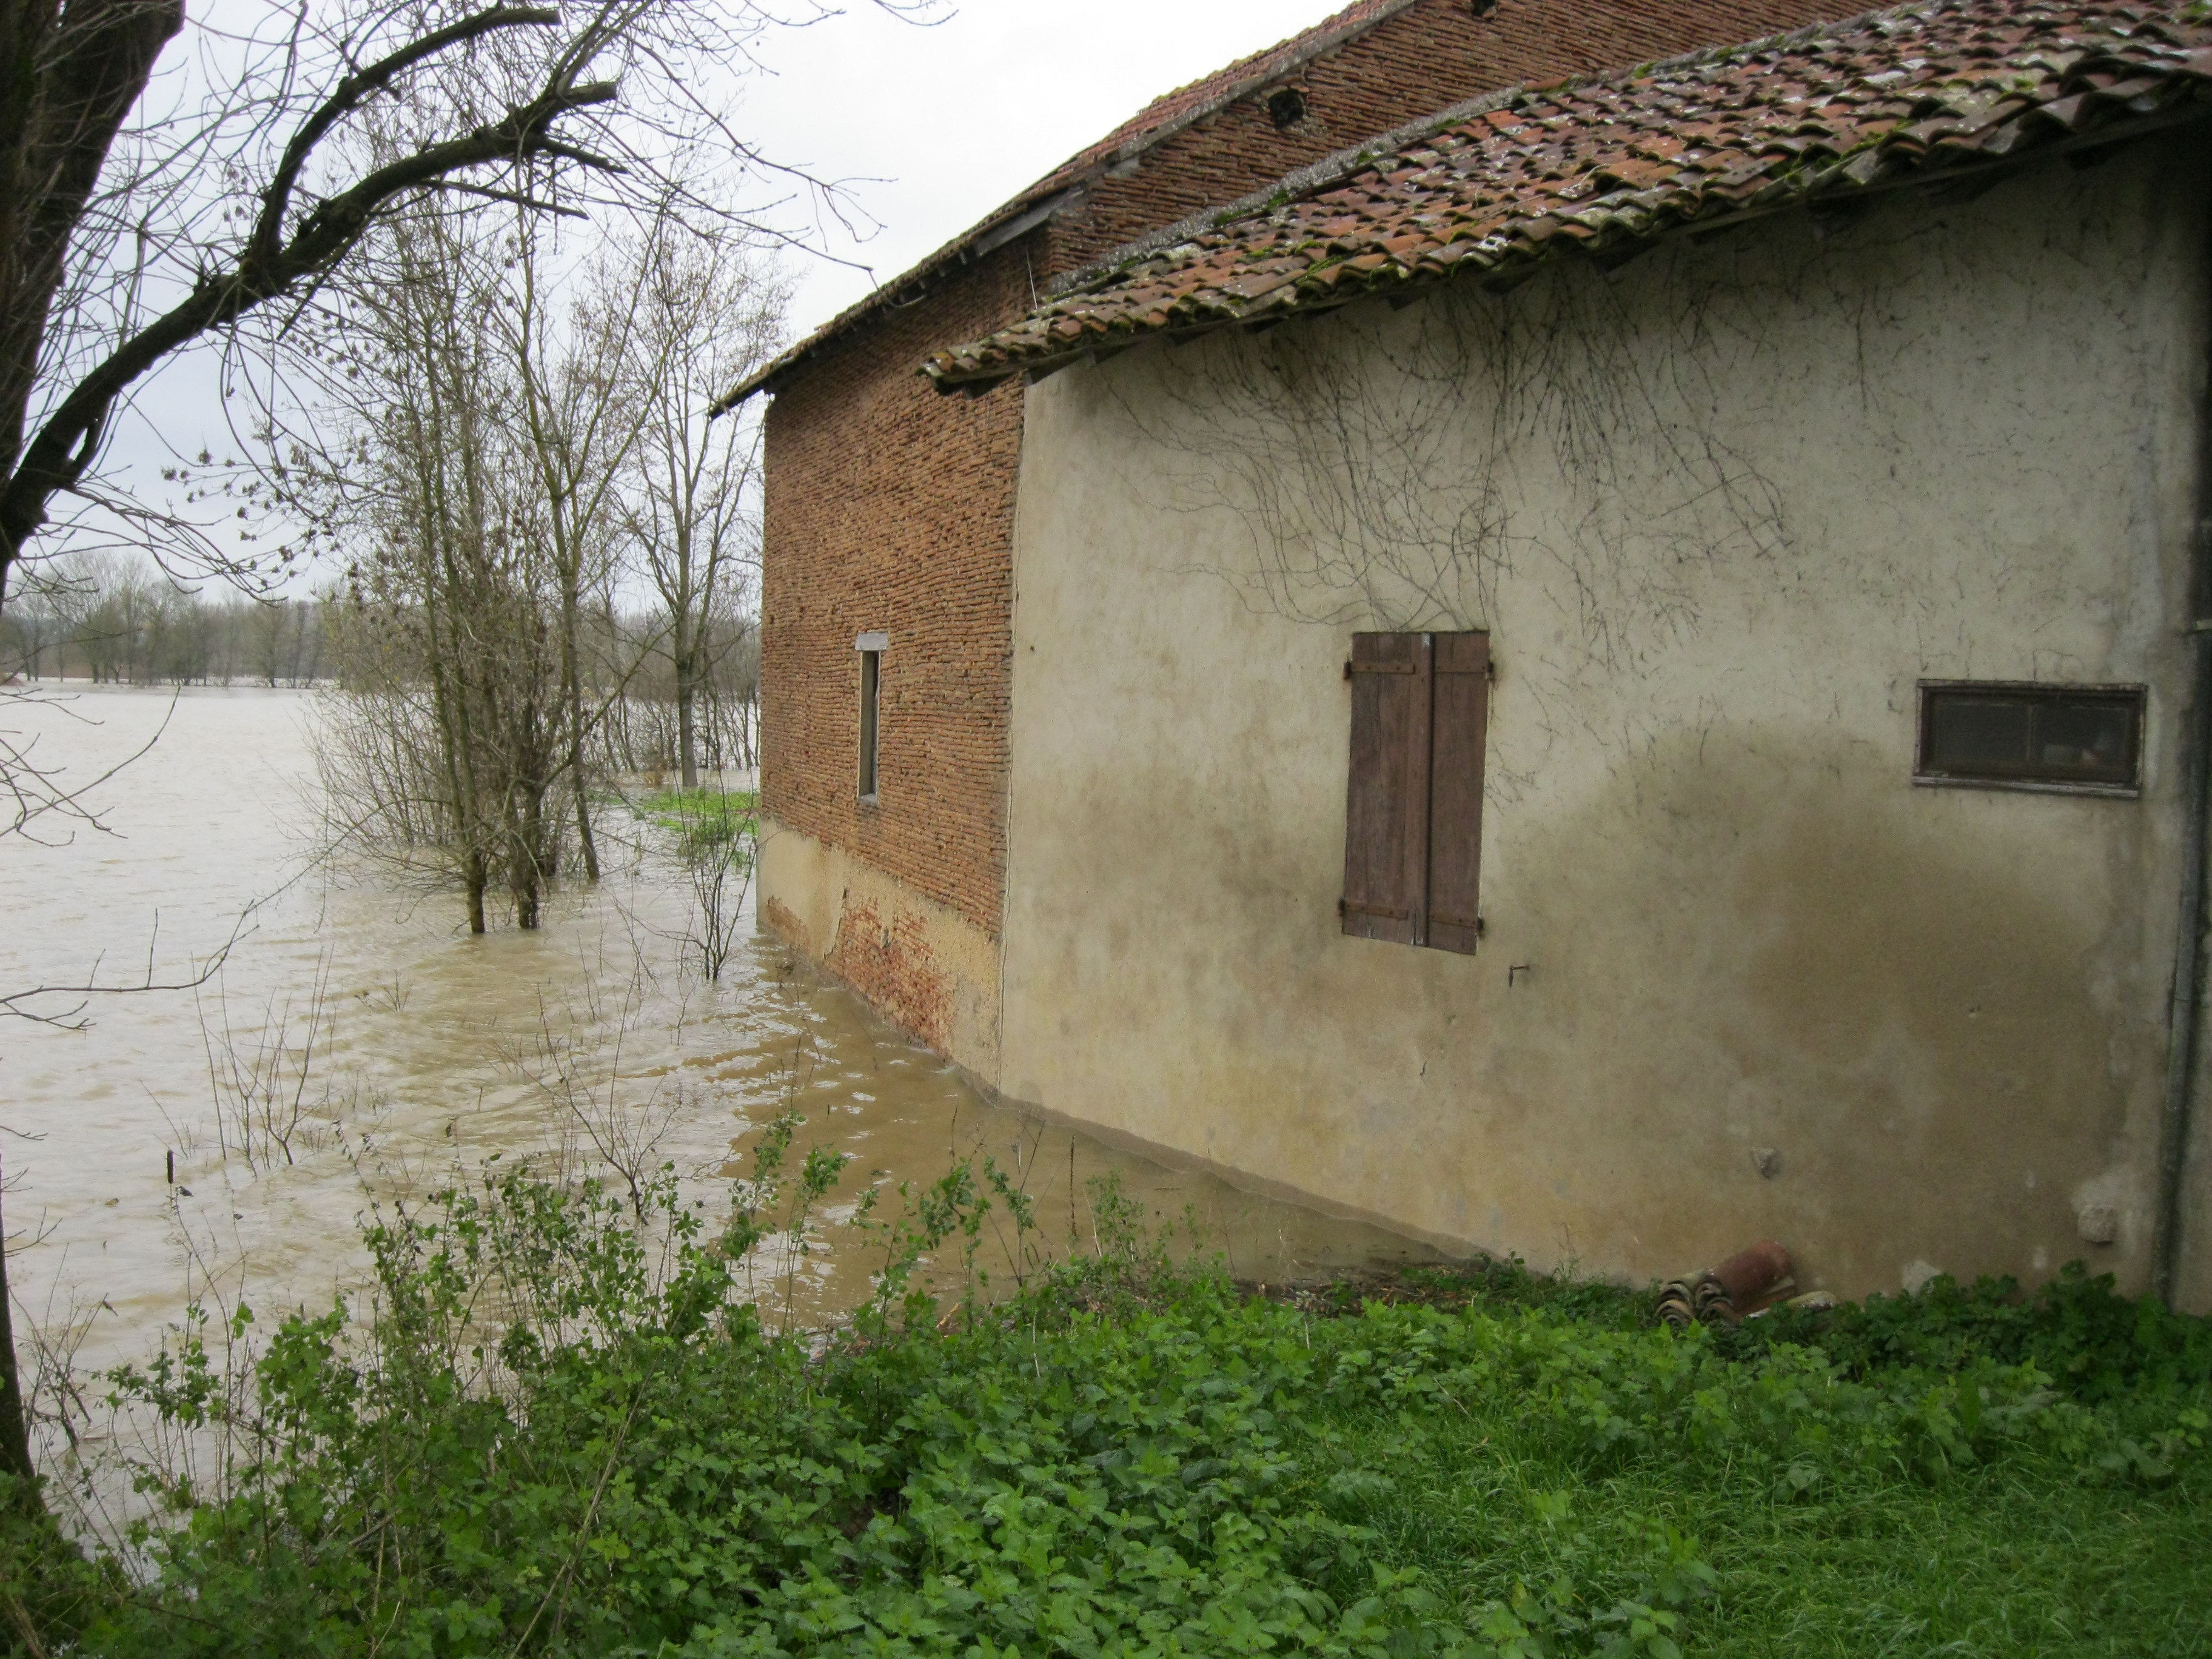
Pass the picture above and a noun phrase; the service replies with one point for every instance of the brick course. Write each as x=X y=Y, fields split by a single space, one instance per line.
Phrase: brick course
x=889 y=507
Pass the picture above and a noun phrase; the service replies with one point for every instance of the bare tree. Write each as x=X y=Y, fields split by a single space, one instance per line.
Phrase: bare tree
x=72 y=347
x=452 y=556
x=116 y=251
x=128 y=234
x=582 y=419
x=709 y=313
x=506 y=455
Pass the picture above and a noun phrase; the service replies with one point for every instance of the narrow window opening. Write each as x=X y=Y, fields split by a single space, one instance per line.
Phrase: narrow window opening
x=1288 y=107
x=1999 y=735
x=870 y=673
x=871 y=647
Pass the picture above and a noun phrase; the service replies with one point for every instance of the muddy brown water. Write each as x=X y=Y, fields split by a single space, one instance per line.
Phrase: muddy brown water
x=401 y=1050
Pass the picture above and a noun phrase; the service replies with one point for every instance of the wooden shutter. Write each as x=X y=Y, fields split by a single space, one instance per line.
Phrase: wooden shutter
x=1386 y=835
x=1413 y=843
x=1461 y=706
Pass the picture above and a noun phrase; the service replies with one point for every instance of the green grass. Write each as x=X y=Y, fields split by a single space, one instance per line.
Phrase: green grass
x=1130 y=1458
x=702 y=820
x=2026 y=1547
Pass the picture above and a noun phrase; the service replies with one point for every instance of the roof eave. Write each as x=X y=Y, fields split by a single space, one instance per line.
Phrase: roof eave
x=1516 y=269
x=979 y=243
x=1001 y=227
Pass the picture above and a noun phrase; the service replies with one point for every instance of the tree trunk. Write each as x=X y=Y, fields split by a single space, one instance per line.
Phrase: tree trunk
x=68 y=79
x=448 y=695
x=522 y=835
x=473 y=877
x=14 y=1423
x=572 y=685
x=684 y=651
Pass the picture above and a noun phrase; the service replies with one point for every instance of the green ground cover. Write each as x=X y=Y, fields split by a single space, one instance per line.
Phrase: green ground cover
x=562 y=1431
x=702 y=820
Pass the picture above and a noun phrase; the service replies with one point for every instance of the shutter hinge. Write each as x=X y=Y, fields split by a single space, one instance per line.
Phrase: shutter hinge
x=1388 y=912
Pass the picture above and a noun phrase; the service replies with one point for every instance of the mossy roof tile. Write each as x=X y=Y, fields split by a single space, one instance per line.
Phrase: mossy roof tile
x=1905 y=94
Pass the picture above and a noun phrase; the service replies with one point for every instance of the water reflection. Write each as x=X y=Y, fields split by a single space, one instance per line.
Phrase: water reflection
x=358 y=1045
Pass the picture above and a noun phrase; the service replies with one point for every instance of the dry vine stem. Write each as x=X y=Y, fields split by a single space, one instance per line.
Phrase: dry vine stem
x=1377 y=459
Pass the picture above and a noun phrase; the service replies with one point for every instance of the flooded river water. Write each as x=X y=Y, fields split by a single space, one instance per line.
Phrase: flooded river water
x=357 y=1044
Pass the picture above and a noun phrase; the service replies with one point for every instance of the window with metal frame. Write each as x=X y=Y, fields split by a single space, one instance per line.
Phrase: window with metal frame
x=1997 y=734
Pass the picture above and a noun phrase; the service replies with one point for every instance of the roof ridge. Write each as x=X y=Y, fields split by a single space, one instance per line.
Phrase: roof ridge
x=1344 y=165
x=1295 y=51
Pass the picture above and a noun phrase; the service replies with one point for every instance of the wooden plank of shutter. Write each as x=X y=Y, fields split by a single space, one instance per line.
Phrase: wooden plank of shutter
x=1386 y=829
x=1459 y=721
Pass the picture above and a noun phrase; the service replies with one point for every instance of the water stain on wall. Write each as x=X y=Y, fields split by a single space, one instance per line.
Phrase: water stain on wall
x=1893 y=1024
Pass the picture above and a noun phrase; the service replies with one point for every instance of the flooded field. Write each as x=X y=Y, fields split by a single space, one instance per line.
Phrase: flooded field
x=357 y=1046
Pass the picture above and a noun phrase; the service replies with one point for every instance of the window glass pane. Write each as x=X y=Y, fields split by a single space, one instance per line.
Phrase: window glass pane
x=1973 y=733
x=2096 y=739
x=871 y=669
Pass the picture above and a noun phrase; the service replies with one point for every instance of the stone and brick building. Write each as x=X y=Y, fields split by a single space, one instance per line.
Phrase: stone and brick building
x=1576 y=650
x=1635 y=673
x=891 y=512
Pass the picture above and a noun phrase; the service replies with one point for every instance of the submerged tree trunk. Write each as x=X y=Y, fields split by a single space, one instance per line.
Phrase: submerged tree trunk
x=521 y=869
x=462 y=823
x=683 y=648
x=475 y=880
x=572 y=685
x=14 y=1420
x=526 y=831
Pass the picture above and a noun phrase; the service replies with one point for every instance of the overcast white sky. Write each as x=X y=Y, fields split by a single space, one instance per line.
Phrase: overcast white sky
x=952 y=119
x=930 y=127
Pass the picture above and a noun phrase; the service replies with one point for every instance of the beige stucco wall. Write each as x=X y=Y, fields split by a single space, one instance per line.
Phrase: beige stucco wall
x=925 y=966
x=1942 y=441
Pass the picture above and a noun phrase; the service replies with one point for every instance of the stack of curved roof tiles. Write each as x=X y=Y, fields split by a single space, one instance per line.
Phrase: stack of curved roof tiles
x=1922 y=94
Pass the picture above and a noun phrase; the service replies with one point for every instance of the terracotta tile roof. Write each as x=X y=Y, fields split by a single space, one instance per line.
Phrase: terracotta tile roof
x=1492 y=188
x=1155 y=124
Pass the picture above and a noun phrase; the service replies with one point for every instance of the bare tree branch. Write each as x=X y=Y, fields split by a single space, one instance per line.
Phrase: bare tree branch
x=48 y=175
x=65 y=444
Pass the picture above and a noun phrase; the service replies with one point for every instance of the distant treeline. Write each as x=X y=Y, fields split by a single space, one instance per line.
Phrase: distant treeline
x=370 y=652
x=112 y=622
x=109 y=622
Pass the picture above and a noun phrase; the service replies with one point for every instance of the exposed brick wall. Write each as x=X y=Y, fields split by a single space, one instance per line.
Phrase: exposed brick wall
x=890 y=507
x=891 y=964
x=783 y=921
